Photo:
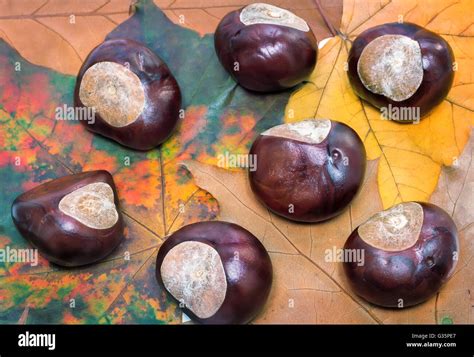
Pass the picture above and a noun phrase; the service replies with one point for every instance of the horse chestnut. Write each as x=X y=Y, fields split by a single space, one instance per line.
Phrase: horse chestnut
x=410 y=250
x=402 y=66
x=265 y=48
x=308 y=171
x=134 y=97
x=218 y=271
x=73 y=220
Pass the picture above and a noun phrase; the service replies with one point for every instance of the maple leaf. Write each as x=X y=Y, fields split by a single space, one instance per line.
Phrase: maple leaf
x=411 y=156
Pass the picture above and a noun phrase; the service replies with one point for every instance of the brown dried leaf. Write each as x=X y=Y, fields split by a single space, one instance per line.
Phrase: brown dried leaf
x=59 y=34
x=455 y=193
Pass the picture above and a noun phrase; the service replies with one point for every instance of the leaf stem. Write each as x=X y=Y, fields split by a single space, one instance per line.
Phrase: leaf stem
x=328 y=23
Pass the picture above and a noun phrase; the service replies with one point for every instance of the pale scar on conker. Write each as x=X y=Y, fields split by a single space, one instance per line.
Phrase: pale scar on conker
x=310 y=131
x=193 y=273
x=114 y=91
x=395 y=229
x=391 y=65
x=92 y=205
x=261 y=13
x=409 y=250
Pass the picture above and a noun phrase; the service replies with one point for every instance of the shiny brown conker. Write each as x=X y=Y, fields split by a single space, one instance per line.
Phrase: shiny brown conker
x=409 y=250
x=73 y=220
x=265 y=48
x=401 y=66
x=135 y=98
x=307 y=171
x=218 y=272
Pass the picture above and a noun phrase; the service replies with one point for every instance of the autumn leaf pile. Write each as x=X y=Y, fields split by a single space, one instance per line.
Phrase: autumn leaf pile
x=179 y=183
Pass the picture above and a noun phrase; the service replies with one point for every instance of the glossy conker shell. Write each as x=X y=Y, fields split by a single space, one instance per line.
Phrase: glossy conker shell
x=410 y=275
x=137 y=98
x=239 y=259
x=308 y=181
x=437 y=61
x=67 y=220
x=264 y=57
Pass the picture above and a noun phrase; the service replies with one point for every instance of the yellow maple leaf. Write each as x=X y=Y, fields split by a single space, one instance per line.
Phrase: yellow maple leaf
x=410 y=156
